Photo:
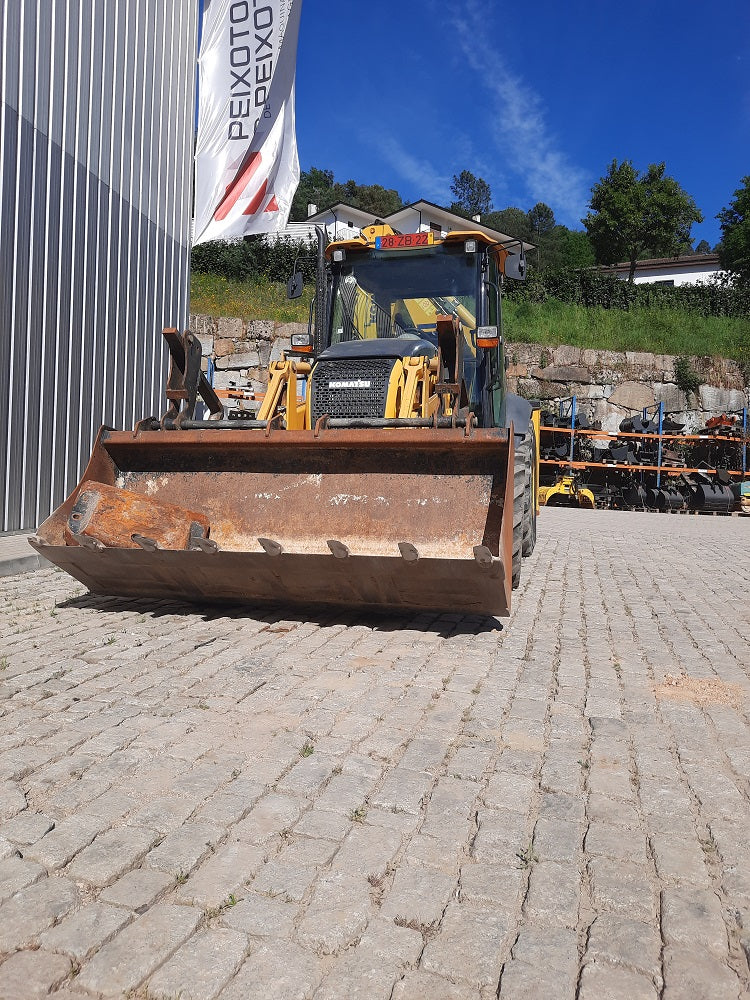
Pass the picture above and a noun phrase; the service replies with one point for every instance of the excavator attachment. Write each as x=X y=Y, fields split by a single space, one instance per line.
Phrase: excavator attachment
x=397 y=517
x=566 y=492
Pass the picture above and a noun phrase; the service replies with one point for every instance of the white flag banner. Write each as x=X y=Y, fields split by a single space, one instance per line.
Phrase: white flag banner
x=246 y=165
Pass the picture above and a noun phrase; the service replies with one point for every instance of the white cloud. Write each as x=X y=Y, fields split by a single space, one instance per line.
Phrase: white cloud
x=518 y=125
x=427 y=181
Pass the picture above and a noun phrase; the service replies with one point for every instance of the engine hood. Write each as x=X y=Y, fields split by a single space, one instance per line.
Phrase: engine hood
x=386 y=347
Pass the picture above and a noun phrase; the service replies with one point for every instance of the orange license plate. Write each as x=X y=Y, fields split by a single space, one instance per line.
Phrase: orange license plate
x=403 y=241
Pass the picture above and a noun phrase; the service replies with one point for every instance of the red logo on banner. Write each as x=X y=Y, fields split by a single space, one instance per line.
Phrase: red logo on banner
x=236 y=188
x=257 y=200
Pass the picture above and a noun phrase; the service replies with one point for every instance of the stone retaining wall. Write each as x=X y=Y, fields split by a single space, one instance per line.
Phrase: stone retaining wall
x=241 y=352
x=609 y=385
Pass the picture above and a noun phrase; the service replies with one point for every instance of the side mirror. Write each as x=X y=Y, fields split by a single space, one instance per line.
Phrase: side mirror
x=515 y=266
x=294 y=286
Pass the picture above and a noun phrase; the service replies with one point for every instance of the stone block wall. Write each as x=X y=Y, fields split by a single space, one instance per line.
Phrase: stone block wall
x=241 y=352
x=609 y=385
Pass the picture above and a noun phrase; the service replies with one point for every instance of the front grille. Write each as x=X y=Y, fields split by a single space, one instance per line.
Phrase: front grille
x=355 y=397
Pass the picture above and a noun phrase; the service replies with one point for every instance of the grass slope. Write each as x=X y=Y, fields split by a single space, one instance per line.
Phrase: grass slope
x=211 y=295
x=661 y=331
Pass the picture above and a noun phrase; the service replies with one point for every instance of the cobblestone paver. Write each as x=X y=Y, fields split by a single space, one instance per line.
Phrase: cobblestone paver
x=240 y=804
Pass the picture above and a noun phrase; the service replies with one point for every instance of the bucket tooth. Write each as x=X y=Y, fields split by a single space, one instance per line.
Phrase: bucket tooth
x=90 y=543
x=270 y=546
x=207 y=545
x=408 y=551
x=339 y=550
x=149 y=544
x=483 y=555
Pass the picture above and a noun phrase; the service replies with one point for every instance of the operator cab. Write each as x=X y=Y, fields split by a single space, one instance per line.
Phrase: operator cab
x=414 y=288
x=414 y=295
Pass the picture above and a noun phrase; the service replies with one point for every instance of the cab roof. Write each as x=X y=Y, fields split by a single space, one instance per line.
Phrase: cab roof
x=366 y=241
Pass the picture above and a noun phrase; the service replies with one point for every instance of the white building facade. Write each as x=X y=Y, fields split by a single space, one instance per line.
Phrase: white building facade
x=692 y=269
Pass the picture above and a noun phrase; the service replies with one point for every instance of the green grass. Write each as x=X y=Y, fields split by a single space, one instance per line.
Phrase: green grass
x=211 y=295
x=661 y=331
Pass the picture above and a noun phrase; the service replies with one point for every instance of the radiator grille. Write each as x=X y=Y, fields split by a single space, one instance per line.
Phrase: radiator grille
x=340 y=388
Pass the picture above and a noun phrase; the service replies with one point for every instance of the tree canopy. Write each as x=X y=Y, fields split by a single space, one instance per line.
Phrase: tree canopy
x=635 y=215
x=318 y=187
x=734 y=249
x=473 y=195
x=557 y=246
x=574 y=249
x=541 y=221
x=512 y=221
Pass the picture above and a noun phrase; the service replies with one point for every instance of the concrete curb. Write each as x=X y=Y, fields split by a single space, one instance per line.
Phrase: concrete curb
x=17 y=556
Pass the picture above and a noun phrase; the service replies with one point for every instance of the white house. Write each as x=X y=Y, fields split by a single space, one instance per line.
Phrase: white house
x=343 y=222
x=694 y=269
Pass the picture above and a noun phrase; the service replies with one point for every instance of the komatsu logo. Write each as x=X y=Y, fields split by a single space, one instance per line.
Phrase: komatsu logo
x=352 y=383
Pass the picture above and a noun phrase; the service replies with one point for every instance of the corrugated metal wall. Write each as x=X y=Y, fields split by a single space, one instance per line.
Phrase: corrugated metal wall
x=96 y=145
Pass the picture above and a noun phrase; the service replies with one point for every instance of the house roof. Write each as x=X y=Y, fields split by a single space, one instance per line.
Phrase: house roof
x=702 y=260
x=448 y=220
x=357 y=215
x=452 y=220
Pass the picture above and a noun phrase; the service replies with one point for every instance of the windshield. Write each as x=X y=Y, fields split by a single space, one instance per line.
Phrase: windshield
x=401 y=293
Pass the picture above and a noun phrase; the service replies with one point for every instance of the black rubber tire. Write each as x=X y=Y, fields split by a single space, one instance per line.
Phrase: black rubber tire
x=529 y=509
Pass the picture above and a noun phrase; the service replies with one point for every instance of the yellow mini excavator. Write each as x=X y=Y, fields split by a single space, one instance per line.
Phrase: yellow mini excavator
x=387 y=466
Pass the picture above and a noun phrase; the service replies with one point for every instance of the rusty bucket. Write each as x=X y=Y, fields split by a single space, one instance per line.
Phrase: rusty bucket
x=387 y=518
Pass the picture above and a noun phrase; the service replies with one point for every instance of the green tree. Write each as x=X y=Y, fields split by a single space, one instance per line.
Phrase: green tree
x=703 y=247
x=547 y=235
x=378 y=200
x=315 y=188
x=511 y=221
x=541 y=221
x=472 y=194
x=635 y=215
x=557 y=246
x=575 y=249
x=318 y=187
x=734 y=249
x=562 y=248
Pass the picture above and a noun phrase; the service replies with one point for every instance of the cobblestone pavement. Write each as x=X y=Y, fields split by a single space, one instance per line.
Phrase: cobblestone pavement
x=271 y=805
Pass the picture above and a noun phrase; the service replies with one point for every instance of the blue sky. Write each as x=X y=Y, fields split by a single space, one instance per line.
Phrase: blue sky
x=536 y=97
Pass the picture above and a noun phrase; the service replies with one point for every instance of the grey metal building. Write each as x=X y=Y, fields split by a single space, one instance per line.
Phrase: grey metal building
x=96 y=144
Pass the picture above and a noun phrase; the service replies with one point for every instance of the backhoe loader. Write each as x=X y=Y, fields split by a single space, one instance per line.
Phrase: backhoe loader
x=386 y=467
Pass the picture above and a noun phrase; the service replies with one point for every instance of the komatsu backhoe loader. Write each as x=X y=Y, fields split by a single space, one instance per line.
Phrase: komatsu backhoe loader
x=387 y=466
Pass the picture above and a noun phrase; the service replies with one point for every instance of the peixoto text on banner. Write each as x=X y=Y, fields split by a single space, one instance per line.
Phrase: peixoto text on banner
x=247 y=168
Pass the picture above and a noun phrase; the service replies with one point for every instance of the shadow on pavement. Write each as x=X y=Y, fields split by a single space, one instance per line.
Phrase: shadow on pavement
x=442 y=625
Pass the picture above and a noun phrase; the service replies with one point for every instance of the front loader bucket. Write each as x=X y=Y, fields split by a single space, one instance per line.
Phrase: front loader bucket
x=396 y=518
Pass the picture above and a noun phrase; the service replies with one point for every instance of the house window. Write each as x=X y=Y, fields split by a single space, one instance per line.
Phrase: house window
x=665 y=281
x=435 y=227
